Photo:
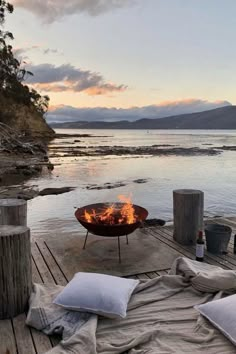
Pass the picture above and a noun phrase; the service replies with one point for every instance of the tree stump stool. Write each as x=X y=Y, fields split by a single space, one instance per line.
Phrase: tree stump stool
x=15 y=268
x=13 y=212
x=188 y=208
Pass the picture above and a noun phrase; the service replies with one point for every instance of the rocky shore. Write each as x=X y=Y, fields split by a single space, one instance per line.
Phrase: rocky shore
x=24 y=158
x=21 y=157
x=154 y=150
x=16 y=168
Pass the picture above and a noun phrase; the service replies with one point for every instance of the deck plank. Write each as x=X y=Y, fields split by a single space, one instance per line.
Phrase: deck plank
x=41 y=341
x=35 y=273
x=162 y=272
x=159 y=235
x=50 y=273
x=23 y=336
x=7 y=338
x=189 y=251
x=55 y=340
x=152 y=275
x=227 y=261
x=45 y=274
x=51 y=263
x=142 y=276
x=224 y=261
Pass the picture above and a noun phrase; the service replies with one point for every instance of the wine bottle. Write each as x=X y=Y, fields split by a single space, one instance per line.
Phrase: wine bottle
x=200 y=247
x=235 y=243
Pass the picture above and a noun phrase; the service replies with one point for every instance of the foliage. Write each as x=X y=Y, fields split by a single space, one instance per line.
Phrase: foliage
x=12 y=74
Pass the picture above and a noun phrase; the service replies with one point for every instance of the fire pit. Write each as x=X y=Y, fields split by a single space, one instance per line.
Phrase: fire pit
x=111 y=219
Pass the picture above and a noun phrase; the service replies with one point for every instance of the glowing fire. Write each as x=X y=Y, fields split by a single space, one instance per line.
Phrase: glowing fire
x=114 y=214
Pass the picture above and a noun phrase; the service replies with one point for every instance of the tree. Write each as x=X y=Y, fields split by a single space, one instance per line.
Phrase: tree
x=12 y=74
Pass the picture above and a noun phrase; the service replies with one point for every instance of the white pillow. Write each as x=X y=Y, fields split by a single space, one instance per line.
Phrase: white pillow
x=222 y=314
x=102 y=294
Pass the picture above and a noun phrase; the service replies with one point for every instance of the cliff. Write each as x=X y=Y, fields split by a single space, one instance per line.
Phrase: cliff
x=23 y=119
x=24 y=135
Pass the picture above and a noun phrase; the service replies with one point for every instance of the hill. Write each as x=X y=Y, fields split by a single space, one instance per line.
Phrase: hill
x=219 y=118
x=24 y=119
x=24 y=135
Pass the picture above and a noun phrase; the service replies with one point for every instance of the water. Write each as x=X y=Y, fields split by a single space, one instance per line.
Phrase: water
x=215 y=175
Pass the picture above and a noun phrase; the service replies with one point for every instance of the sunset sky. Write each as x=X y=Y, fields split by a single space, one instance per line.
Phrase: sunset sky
x=162 y=57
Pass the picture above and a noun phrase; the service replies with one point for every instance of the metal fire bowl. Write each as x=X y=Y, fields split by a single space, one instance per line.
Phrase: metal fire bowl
x=110 y=230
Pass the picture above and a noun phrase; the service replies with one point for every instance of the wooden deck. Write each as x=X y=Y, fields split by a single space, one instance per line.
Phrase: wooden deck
x=16 y=338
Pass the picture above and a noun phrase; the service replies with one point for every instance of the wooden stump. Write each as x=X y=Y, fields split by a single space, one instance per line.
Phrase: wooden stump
x=15 y=270
x=13 y=212
x=188 y=207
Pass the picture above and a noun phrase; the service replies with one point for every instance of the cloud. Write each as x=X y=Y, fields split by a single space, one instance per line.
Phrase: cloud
x=52 y=10
x=51 y=78
x=161 y=110
x=20 y=53
x=48 y=51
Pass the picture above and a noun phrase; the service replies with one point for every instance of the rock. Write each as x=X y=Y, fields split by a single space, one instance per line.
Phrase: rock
x=154 y=222
x=28 y=170
x=106 y=186
x=55 y=191
x=50 y=167
x=27 y=195
x=140 y=180
x=19 y=192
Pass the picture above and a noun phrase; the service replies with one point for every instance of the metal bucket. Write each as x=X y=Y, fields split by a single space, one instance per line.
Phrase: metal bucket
x=217 y=238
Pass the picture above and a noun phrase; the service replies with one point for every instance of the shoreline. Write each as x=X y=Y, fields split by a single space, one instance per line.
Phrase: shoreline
x=119 y=150
x=16 y=168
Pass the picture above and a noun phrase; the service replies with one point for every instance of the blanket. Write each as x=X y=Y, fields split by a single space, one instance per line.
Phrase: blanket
x=161 y=317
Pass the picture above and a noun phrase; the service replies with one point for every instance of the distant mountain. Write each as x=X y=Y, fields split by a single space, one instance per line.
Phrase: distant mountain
x=219 y=118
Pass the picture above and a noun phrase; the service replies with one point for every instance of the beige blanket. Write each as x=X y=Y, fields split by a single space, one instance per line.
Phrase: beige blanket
x=161 y=318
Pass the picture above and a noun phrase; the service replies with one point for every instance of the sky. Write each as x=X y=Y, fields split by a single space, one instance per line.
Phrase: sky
x=127 y=59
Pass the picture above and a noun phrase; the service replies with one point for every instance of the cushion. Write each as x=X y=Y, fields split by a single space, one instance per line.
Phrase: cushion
x=222 y=314
x=102 y=294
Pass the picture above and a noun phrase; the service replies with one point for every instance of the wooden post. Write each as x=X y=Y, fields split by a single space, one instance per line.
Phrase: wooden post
x=15 y=270
x=188 y=207
x=13 y=212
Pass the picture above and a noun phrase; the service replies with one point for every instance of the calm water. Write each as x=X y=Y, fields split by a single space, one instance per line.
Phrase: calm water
x=215 y=175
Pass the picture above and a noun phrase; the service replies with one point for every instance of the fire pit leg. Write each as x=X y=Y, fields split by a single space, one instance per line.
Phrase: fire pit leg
x=127 y=240
x=119 y=248
x=85 y=241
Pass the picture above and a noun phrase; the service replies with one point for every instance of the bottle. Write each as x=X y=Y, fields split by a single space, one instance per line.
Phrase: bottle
x=200 y=247
x=234 y=243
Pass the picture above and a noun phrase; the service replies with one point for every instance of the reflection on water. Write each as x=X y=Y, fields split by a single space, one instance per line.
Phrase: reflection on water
x=215 y=175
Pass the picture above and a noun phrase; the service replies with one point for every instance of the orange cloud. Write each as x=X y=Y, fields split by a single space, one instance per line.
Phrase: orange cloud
x=50 y=78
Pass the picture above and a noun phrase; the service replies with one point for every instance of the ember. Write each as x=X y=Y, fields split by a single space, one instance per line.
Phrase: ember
x=113 y=214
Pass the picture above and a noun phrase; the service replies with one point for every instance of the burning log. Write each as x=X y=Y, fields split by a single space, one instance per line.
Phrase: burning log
x=117 y=224
x=113 y=214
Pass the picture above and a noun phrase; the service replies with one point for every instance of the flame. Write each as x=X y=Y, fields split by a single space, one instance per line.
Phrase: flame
x=107 y=216
x=90 y=217
x=127 y=211
x=114 y=213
